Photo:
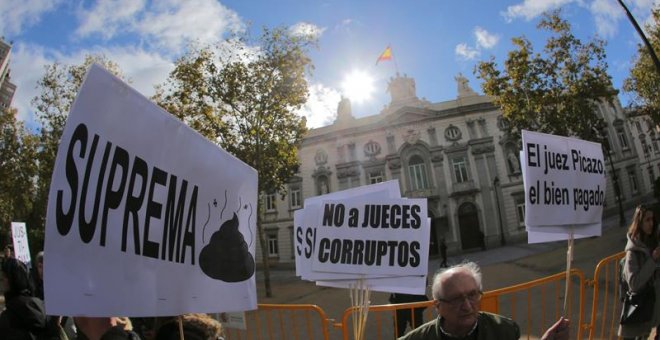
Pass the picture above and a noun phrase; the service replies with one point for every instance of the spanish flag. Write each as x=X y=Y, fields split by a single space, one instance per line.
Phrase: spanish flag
x=386 y=55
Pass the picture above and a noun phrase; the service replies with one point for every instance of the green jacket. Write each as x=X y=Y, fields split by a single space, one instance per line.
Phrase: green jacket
x=490 y=327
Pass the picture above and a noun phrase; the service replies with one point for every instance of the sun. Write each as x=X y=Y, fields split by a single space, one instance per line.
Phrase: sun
x=358 y=86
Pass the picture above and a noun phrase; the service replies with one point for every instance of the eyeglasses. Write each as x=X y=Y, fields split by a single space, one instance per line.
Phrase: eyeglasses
x=472 y=297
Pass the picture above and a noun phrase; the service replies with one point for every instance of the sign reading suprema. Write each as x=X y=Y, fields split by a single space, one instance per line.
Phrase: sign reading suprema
x=145 y=216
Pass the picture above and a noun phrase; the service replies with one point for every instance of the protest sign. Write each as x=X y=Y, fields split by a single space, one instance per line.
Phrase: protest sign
x=364 y=239
x=564 y=180
x=145 y=216
x=547 y=233
x=305 y=224
x=20 y=240
x=378 y=236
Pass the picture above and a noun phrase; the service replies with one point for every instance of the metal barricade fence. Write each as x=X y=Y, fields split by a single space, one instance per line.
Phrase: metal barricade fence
x=281 y=321
x=606 y=302
x=537 y=304
x=381 y=320
x=534 y=305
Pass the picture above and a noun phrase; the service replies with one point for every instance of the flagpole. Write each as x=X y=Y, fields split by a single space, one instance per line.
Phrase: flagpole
x=396 y=67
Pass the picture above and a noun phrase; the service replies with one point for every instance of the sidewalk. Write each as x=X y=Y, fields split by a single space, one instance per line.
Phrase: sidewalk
x=511 y=252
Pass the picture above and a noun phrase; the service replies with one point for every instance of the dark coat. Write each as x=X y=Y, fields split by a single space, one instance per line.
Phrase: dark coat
x=639 y=268
x=25 y=315
x=490 y=327
x=23 y=318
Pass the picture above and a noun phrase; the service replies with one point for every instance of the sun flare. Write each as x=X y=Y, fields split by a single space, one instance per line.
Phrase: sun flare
x=358 y=86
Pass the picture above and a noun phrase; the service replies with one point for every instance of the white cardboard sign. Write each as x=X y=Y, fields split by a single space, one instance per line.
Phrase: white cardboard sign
x=564 y=180
x=21 y=245
x=372 y=237
x=305 y=225
x=546 y=233
x=145 y=216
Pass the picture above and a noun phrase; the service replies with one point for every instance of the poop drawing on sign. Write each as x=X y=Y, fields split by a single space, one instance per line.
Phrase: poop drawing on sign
x=227 y=257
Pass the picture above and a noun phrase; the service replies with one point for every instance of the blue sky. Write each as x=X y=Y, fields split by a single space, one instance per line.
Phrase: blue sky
x=431 y=40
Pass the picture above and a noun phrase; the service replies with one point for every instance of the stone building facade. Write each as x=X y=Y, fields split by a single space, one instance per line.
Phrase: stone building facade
x=454 y=153
x=7 y=88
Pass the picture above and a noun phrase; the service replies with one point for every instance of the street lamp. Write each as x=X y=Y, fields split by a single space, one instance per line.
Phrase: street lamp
x=602 y=131
x=496 y=184
x=639 y=30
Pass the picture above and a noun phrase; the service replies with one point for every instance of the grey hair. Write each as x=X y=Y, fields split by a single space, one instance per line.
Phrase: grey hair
x=467 y=267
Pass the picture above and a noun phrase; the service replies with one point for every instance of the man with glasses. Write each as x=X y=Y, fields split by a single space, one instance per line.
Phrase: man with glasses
x=457 y=292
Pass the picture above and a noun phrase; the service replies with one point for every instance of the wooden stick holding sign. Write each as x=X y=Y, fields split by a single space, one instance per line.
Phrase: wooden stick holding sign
x=181 y=327
x=569 y=260
x=360 y=301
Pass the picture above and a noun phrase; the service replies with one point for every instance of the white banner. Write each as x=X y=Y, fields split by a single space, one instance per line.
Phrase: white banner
x=305 y=224
x=564 y=180
x=20 y=240
x=372 y=237
x=145 y=216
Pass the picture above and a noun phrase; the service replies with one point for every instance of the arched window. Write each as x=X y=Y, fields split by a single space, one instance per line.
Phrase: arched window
x=467 y=209
x=417 y=172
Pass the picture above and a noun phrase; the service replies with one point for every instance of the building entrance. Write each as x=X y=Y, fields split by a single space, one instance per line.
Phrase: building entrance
x=468 y=223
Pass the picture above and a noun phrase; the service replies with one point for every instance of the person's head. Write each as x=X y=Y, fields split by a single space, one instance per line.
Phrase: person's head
x=457 y=293
x=8 y=251
x=195 y=327
x=643 y=226
x=15 y=278
x=40 y=264
x=111 y=327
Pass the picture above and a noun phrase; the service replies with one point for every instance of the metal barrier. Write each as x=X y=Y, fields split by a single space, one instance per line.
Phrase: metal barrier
x=606 y=304
x=541 y=302
x=279 y=321
x=534 y=305
x=381 y=321
x=541 y=307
